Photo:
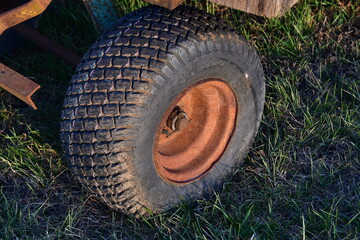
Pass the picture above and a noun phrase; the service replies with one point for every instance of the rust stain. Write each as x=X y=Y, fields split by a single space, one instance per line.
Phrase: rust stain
x=22 y=13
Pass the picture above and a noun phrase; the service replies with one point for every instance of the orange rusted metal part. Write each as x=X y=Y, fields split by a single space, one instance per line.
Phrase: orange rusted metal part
x=22 y=13
x=18 y=85
x=195 y=131
x=170 y=4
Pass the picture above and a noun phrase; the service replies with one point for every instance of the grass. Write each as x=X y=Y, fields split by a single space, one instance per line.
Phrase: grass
x=300 y=180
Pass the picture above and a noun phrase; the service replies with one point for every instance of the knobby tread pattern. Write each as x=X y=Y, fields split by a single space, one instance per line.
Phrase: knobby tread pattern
x=116 y=81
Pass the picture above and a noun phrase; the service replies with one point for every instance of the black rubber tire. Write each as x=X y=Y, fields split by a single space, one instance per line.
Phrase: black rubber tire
x=123 y=87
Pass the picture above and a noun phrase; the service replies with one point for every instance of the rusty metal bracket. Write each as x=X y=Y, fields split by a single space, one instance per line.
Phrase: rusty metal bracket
x=18 y=85
x=11 y=81
x=22 y=13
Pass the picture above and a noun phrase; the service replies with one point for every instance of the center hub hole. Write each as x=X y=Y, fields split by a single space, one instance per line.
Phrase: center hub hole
x=178 y=119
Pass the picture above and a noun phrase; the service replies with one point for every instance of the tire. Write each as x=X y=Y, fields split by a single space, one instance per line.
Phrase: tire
x=123 y=90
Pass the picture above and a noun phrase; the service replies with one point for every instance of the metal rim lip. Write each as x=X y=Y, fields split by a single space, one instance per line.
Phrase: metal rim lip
x=195 y=131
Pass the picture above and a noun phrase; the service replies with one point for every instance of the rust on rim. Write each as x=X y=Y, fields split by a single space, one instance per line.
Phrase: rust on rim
x=195 y=131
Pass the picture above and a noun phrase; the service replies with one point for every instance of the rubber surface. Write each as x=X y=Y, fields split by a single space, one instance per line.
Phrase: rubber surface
x=123 y=87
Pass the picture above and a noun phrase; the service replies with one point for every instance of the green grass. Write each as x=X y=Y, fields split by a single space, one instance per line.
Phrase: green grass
x=301 y=180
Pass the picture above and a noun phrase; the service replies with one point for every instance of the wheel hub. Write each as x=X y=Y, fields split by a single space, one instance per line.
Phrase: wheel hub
x=177 y=120
x=195 y=131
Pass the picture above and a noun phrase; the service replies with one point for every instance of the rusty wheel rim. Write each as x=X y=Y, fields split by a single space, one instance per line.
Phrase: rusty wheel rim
x=195 y=131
